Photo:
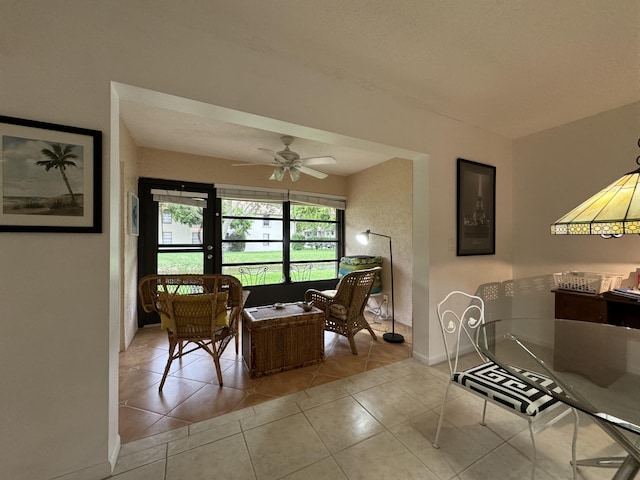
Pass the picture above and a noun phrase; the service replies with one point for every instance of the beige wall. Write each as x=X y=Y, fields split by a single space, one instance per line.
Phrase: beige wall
x=381 y=199
x=129 y=257
x=555 y=171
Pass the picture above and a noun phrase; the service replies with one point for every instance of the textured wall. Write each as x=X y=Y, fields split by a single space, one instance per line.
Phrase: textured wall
x=381 y=200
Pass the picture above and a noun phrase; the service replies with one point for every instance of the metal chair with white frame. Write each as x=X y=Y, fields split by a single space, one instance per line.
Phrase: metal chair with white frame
x=460 y=314
x=253 y=275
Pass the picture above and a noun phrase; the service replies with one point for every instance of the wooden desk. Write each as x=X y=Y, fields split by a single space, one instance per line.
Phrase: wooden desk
x=275 y=340
x=604 y=308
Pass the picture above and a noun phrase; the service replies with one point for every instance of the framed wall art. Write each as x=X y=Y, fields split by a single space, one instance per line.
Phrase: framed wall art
x=134 y=214
x=50 y=177
x=476 y=208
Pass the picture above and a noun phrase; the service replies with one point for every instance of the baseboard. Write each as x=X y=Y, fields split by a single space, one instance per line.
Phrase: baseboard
x=99 y=471
x=113 y=457
x=95 y=472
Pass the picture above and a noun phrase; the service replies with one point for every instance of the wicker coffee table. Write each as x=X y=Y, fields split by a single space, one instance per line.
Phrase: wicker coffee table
x=275 y=340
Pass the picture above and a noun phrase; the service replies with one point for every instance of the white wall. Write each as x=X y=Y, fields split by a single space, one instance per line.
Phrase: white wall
x=59 y=395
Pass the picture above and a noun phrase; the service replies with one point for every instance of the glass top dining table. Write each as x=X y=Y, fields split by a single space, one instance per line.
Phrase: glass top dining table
x=597 y=366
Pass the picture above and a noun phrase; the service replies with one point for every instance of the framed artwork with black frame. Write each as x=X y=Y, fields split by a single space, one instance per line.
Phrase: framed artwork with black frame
x=50 y=177
x=476 y=208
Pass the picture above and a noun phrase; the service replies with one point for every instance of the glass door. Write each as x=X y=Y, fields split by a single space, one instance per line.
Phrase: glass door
x=177 y=231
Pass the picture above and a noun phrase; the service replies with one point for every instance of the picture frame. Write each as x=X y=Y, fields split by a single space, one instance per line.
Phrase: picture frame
x=50 y=177
x=134 y=214
x=476 y=208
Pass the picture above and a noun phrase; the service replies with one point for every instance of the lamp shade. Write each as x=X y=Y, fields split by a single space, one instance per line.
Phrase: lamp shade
x=363 y=237
x=612 y=212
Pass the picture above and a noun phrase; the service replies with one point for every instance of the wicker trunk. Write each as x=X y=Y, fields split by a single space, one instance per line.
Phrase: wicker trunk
x=275 y=340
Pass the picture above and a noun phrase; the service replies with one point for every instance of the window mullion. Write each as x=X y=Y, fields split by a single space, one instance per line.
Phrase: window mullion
x=286 y=244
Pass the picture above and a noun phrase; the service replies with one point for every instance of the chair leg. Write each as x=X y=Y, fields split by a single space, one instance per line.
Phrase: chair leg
x=172 y=349
x=373 y=334
x=484 y=414
x=352 y=343
x=444 y=402
x=576 y=422
x=535 y=452
x=213 y=351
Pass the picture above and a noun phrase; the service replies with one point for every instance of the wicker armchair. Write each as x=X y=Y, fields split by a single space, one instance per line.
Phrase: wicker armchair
x=203 y=310
x=344 y=310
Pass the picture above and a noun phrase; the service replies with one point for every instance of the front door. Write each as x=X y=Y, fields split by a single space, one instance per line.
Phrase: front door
x=177 y=230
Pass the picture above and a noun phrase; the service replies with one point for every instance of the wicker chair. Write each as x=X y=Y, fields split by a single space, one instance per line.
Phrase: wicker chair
x=203 y=310
x=344 y=309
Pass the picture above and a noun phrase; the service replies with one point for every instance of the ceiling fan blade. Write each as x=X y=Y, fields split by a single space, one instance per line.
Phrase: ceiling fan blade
x=312 y=172
x=275 y=155
x=327 y=160
x=255 y=164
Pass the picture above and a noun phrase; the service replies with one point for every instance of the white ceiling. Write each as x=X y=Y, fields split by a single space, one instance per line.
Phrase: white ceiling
x=511 y=67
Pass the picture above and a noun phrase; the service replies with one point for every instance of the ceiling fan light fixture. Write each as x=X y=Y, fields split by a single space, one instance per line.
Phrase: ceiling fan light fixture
x=294 y=173
x=278 y=174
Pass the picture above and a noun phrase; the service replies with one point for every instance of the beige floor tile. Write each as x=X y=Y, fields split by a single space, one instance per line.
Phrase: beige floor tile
x=326 y=469
x=342 y=423
x=389 y=404
x=382 y=457
x=153 y=471
x=141 y=458
x=506 y=463
x=227 y=458
x=283 y=447
x=465 y=412
x=457 y=450
x=271 y=414
x=204 y=437
x=426 y=389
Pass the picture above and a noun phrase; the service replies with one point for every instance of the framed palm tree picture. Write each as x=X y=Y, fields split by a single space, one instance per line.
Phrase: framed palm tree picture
x=50 y=177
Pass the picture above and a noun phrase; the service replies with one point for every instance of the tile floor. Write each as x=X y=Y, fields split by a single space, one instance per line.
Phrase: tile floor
x=192 y=392
x=377 y=424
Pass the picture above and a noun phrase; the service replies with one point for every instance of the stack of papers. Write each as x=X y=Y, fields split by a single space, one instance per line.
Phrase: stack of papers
x=632 y=293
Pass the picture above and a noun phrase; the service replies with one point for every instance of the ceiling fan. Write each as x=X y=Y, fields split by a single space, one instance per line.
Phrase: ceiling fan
x=289 y=161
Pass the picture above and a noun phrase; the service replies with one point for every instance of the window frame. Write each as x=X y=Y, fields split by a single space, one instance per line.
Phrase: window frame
x=286 y=241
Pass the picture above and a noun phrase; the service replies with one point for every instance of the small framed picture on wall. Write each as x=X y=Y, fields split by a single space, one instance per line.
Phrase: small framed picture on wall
x=134 y=215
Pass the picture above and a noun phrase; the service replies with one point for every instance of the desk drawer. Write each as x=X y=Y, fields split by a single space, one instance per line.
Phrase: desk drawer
x=580 y=306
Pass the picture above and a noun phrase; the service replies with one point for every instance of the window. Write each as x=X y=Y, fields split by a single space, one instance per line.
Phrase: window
x=167 y=238
x=195 y=238
x=166 y=217
x=303 y=242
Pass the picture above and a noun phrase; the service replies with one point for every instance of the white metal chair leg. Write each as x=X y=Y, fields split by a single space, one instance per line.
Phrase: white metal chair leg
x=484 y=414
x=576 y=422
x=535 y=452
x=444 y=402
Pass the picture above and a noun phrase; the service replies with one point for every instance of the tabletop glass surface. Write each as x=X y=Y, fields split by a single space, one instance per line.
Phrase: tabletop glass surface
x=599 y=363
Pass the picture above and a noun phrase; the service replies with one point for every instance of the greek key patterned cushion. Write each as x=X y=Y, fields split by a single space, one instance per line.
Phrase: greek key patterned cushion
x=501 y=386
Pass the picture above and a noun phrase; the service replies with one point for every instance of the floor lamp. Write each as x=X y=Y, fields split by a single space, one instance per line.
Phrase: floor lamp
x=392 y=337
